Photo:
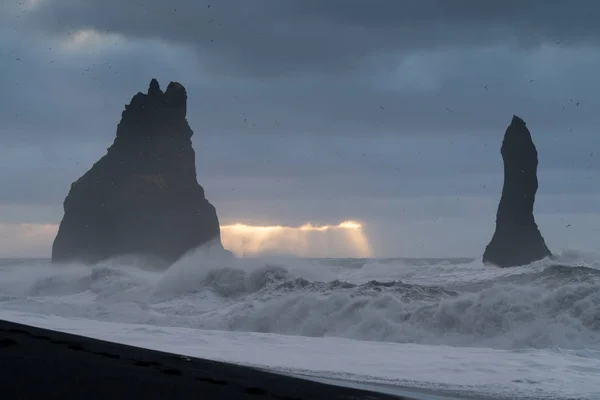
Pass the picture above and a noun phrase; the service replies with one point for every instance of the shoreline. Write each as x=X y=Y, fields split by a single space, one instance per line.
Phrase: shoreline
x=42 y=363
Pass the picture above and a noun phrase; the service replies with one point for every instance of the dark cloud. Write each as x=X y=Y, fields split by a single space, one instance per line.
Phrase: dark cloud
x=391 y=112
x=307 y=67
x=275 y=37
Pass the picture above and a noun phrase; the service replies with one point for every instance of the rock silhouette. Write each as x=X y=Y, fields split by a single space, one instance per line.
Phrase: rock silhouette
x=142 y=197
x=517 y=239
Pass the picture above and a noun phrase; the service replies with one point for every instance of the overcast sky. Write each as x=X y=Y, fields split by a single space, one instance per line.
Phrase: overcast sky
x=387 y=112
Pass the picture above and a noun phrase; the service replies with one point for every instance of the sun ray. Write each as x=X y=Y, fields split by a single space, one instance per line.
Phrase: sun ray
x=346 y=239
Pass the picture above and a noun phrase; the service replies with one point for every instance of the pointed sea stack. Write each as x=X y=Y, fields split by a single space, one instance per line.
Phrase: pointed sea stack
x=517 y=239
x=142 y=198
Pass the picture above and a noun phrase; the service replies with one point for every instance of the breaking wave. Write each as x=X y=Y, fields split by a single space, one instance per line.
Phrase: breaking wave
x=457 y=302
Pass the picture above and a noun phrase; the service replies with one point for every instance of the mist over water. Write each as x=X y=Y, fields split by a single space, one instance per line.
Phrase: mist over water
x=456 y=302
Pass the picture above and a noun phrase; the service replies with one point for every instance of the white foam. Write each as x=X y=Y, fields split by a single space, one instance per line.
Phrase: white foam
x=534 y=374
x=439 y=311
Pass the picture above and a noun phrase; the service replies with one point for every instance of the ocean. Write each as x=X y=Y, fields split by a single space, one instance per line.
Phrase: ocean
x=453 y=327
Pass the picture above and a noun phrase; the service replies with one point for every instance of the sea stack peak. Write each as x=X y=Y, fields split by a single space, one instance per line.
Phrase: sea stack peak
x=142 y=197
x=154 y=88
x=517 y=239
x=176 y=98
x=516 y=120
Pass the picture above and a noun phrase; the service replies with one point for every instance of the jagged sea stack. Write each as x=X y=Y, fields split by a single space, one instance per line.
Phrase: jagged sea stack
x=517 y=239
x=142 y=197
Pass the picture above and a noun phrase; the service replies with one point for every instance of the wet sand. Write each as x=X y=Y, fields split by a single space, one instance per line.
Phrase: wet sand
x=38 y=363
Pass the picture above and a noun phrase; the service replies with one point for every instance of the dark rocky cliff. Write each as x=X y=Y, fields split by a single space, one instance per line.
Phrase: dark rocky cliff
x=142 y=197
x=517 y=239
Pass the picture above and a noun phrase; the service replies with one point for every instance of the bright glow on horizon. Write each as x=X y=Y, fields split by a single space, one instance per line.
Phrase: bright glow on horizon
x=26 y=240
x=346 y=239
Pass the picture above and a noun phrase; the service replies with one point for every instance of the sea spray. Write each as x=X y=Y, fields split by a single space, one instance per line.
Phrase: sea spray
x=433 y=302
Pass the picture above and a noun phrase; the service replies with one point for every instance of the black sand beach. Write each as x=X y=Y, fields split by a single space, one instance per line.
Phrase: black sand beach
x=40 y=364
